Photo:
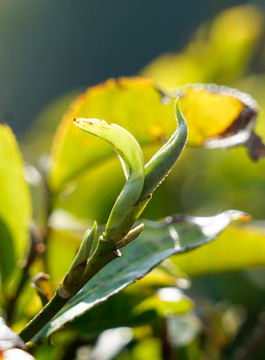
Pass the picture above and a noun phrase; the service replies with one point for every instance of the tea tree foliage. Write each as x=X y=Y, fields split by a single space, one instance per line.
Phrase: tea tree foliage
x=101 y=246
x=75 y=226
x=123 y=214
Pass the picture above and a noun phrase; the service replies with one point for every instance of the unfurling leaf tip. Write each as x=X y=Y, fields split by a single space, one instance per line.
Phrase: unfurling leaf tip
x=131 y=236
x=79 y=263
x=163 y=161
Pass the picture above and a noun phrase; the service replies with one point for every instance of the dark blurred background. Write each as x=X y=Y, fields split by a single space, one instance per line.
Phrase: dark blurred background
x=49 y=47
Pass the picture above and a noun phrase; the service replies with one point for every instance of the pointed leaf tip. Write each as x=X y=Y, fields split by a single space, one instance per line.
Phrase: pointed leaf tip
x=163 y=161
x=131 y=236
x=85 y=247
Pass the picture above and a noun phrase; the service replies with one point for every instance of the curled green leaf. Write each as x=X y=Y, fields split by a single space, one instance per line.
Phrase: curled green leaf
x=85 y=247
x=157 y=169
x=163 y=161
x=131 y=236
x=78 y=265
x=132 y=161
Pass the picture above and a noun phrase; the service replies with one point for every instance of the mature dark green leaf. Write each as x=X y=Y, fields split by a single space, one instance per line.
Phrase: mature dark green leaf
x=158 y=241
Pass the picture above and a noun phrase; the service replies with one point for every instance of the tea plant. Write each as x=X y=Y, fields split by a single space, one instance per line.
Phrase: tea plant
x=60 y=293
x=92 y=277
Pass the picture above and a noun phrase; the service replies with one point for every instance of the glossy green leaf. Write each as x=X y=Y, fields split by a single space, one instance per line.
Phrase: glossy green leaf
x=239 y=247
x=15 y=209
x=157 y=242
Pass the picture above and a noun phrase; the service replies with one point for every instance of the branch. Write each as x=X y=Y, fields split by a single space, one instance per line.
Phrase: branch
x=104 y=254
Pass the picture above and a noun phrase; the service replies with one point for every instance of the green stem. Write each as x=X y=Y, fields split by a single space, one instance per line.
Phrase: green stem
x=104 y=253
x=43 y=317
x=119 y=224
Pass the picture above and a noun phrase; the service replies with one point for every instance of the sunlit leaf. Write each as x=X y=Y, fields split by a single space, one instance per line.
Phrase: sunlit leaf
x=239 y=247
x=133 y=103
x=15 y=208
x=80 y=164
x=157 y=242
x=212 y=110
x=218 y=53
x=148 y=114
x=220 y=117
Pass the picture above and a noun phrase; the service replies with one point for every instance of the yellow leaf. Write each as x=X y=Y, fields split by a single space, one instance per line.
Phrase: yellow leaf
x=239 y=247
x=141 y=108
